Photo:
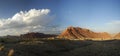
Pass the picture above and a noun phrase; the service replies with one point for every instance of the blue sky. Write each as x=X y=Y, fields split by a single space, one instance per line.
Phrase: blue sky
x=92 y=14
x=10 y=7
x=97 y=15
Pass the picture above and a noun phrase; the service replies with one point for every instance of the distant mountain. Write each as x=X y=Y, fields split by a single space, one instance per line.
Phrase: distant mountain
x=77 y=32
x=9 y=36
x=36 y=35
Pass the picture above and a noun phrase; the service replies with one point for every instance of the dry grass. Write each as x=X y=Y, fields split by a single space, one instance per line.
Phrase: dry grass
x=11 y=52
x=1 y=48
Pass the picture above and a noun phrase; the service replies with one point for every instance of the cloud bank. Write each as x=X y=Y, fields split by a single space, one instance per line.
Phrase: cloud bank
x=27 y=21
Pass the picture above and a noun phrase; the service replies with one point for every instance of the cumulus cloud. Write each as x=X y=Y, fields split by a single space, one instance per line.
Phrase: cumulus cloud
x=27 y=21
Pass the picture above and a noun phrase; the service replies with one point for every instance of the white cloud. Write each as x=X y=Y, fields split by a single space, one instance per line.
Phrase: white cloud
x=26 y=21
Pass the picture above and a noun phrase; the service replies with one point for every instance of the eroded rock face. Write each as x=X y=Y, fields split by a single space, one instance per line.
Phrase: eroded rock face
x=77 y=32
x=104 y=35
x=117 y=35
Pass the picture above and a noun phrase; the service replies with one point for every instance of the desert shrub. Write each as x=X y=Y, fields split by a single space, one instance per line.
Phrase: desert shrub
x=9 y=40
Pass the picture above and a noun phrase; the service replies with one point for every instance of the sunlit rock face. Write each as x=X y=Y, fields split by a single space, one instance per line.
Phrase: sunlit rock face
x=77 y=32
x=104 y=35
x=117 y=36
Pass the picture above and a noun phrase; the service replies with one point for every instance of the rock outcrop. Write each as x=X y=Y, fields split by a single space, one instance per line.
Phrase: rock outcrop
x=117 y=35
x=36 y=35
x=77 y=32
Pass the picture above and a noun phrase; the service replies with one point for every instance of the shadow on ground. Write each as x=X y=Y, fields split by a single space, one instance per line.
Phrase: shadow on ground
x=40 y=47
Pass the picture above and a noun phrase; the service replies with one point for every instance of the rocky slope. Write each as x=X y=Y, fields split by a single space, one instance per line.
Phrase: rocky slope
x=36 y=35
x=77 y=32
x=117 y=35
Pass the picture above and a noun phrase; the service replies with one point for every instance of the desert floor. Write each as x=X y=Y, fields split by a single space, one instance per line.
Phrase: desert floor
x=45 y=47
